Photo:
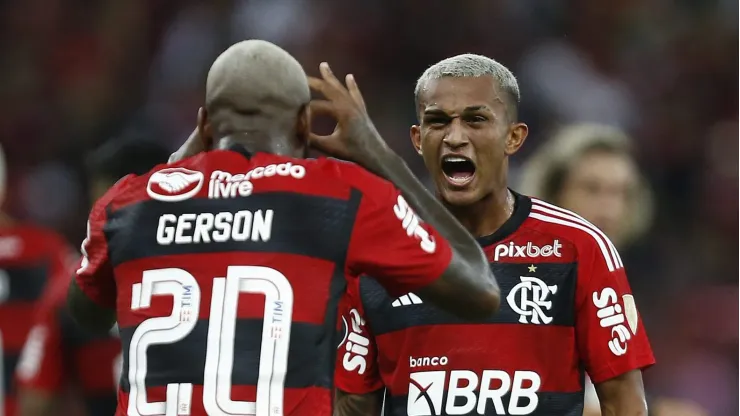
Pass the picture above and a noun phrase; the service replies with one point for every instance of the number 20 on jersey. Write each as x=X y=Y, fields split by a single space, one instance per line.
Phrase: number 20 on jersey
x=184 y=289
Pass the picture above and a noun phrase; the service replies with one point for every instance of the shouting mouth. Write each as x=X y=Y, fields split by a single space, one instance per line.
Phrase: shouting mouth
x=458 y=170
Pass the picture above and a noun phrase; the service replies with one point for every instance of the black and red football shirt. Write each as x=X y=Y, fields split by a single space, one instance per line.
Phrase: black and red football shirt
x=59 y=354
x=226 y=269
x=30 y=258
x=566 y=309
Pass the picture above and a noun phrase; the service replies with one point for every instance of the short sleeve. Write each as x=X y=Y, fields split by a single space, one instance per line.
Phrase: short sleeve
x=392 y=244
x=356 y=370
x=95 y=274
x=611 y=338
x=41 y=364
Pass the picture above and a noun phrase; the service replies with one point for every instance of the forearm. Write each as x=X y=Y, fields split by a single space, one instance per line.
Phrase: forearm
x=431 y=210
x=623 y=395
x=346 y=404
x=87 y=313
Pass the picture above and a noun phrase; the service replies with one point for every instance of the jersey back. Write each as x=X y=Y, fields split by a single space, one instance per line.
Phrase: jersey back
x=228 y=269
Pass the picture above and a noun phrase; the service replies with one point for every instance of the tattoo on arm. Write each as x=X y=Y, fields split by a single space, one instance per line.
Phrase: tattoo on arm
x=346 y=404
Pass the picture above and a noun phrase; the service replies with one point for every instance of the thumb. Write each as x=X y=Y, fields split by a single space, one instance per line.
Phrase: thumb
x=327 y=144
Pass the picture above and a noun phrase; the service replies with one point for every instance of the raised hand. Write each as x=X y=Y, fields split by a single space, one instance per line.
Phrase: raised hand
x=355 y=137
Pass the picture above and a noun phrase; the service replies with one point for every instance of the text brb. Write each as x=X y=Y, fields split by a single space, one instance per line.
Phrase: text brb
x=467 y=392
x=184 y=289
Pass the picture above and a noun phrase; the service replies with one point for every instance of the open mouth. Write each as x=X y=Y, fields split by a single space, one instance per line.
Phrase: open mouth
x=459 y=170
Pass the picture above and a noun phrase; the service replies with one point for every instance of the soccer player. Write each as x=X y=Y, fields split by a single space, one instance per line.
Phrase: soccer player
x=58 y=352
x=590 y=169
x=225 y=269
x=567 y=309
x=30 y=258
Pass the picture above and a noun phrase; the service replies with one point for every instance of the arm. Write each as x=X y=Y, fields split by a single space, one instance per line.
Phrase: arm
x=87 y=313
x=347 y=404
x=359 y=389
x=390 y=243
x=611 y=340
x=92 y=293
x=623 y=395
x=467 y=287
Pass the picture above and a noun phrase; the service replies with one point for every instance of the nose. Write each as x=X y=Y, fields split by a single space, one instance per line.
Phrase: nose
x=456 y=136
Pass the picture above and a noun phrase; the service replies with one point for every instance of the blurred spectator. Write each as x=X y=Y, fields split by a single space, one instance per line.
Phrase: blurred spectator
x=57 y=350
x=590 y=170
x=31 y=257
x=77 y=71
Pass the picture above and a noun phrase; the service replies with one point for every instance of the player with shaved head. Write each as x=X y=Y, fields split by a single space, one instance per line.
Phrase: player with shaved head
x=224 y=269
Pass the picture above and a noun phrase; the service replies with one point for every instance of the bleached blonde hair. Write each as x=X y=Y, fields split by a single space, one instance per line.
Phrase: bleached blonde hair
x=470 y=65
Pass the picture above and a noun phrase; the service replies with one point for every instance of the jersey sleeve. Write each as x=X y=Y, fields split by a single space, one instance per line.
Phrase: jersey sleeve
x=392 y=244
x=356 y=368
x=611 y=338
x=41 y=365
x=95 y=274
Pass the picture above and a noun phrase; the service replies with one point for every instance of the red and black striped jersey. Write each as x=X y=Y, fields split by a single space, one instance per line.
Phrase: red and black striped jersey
x=226 y=269
x=59 y=354
x=30 y=257
x=566 y=308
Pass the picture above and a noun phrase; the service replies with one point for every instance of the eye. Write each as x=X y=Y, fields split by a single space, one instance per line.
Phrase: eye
x=436 y=121
x=477 y=119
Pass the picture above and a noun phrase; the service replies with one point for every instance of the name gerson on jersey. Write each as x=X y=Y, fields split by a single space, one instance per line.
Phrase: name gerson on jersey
x=226 y=269
x=566 y=309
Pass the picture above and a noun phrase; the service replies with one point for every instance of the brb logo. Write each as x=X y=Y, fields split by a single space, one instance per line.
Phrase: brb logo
x=174 y=184
x=612 y=315
x=530 y=250
x=356 y=344
x=468 y=393
x=412 y=224
x=530 y=300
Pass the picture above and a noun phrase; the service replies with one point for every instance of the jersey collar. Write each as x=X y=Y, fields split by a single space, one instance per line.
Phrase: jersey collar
x=522 y=207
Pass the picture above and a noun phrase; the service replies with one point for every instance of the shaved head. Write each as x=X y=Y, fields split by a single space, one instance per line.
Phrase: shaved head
x=255 y=85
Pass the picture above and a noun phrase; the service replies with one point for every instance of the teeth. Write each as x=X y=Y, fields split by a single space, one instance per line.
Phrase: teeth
x=455 y=159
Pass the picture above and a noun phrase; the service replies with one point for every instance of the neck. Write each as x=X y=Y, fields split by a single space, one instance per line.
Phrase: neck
x=281 y=145
x=484 y=217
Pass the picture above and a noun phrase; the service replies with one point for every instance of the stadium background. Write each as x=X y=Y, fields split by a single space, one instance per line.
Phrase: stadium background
x=78 y=72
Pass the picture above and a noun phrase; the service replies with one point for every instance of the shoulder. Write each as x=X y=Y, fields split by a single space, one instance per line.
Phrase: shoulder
x=116 y=192
x=588 y=240
x=372 y=186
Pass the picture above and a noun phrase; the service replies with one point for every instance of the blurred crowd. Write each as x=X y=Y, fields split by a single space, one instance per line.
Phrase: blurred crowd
x=79 y=73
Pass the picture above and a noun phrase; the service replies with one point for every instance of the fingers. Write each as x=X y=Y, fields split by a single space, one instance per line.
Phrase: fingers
x=354 y=91
x=329 y=77
x=321 y=107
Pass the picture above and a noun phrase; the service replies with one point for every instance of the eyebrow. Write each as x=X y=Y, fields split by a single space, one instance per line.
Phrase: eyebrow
x=470 y=109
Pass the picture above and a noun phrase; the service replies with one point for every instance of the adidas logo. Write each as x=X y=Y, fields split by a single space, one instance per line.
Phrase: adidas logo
x=405 y=300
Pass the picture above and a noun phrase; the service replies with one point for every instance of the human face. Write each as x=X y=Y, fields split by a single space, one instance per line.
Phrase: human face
x=465 y=137
x=599 y=186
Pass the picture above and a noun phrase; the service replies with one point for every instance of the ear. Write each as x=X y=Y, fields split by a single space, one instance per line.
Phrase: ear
x=416 y=138
x=303 y=125
x=515 y=139
x=204 y=128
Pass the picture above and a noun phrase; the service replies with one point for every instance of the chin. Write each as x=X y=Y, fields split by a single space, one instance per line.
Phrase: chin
x=460 y=198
